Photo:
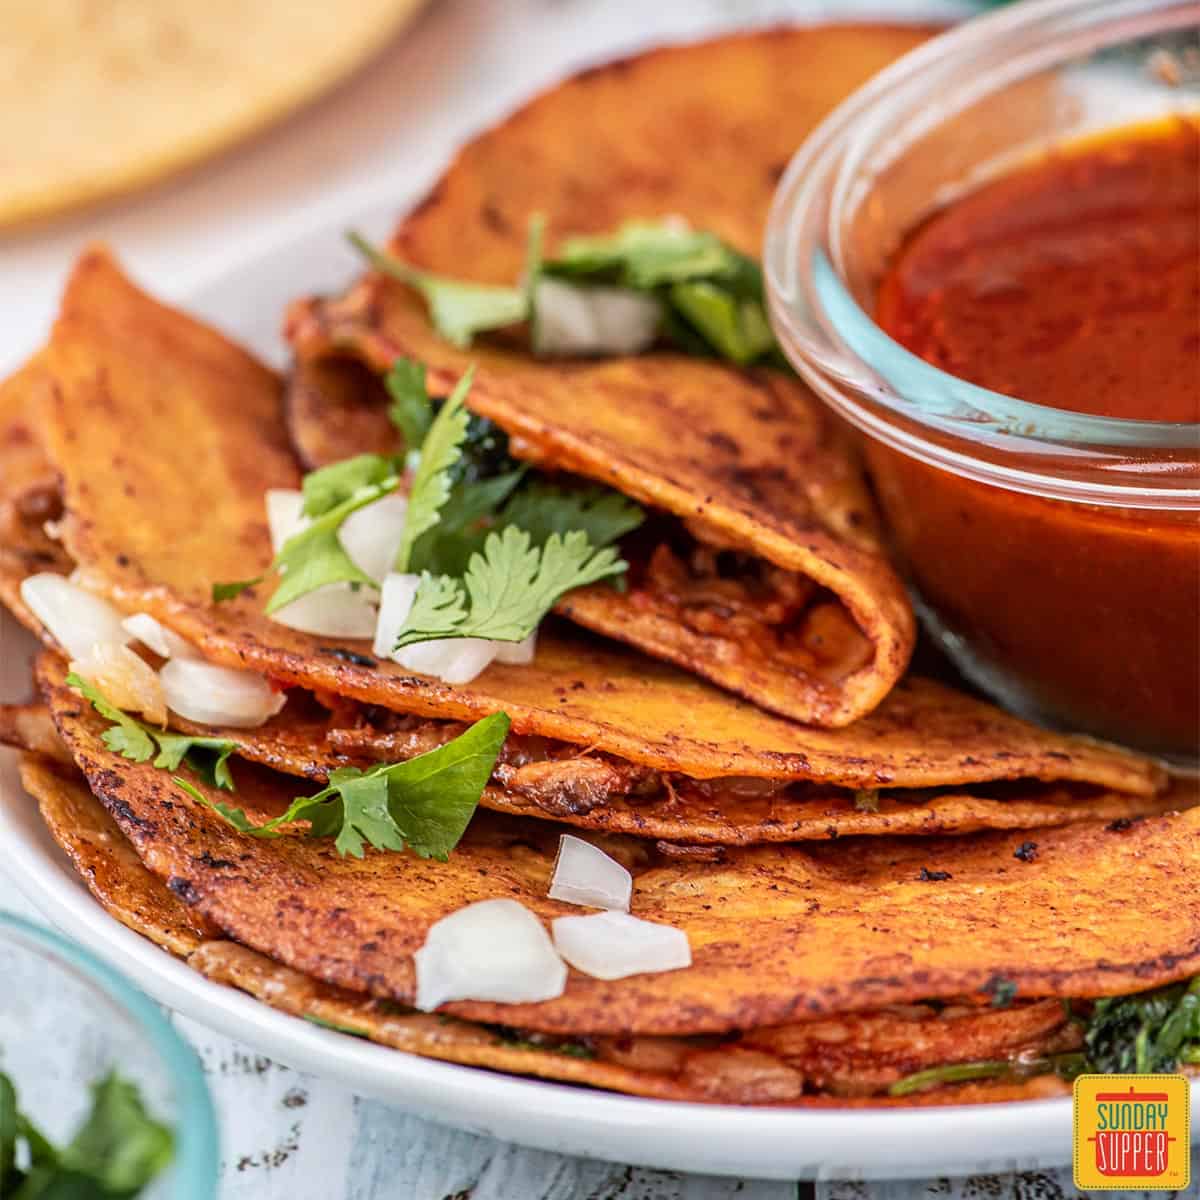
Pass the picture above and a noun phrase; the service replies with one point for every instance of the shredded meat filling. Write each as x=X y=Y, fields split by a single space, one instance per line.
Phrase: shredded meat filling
x=743 y=599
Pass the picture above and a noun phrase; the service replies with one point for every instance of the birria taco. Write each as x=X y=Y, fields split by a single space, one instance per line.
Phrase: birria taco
x=759 y=565
x=600 y=736
x=960 y=1035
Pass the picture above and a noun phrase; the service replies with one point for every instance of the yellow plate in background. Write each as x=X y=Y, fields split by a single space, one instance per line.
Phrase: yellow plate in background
x=104 y=96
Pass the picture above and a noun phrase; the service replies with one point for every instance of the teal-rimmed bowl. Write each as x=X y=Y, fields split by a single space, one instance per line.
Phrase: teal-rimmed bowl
x=66 y=1018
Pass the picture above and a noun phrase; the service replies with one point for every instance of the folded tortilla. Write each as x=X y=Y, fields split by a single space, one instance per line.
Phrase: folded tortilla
x=846 y=1060
x=29 y=493
x=175 y=412
x=777 y=932
x=742 y=460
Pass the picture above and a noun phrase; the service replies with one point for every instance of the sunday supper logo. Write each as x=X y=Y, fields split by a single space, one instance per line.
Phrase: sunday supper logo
x=1132 y=1130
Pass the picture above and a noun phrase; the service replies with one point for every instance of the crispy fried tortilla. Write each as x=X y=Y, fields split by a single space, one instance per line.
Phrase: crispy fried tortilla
x=703 y=130
x=747 y=460
x=688 y=818
x=175 y=412
x=777 y=932
x=846 y=1059
x=105 y=860
x=29 y=492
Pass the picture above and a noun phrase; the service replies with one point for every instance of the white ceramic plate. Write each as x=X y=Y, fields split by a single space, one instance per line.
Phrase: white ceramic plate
x=781 y=1144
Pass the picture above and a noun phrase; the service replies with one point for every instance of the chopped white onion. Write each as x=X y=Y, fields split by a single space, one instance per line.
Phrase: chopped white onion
x=492 y=950
x=452 y=660
x=372 y=535
x=574 y=320
x=285 y=515
x=154 y=635
x=517 y=654
x=613 y=945
x=212 y=695
x=395 y=603
x=124 y=679
x=336 y=610
x=75 y=618
x=471 y=658
x=584 y=874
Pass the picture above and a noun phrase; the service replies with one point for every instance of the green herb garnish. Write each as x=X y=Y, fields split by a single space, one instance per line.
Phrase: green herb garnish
x=458 y=309
x=315 y=557
x=1151 y=1032
x=711 y=294
x=137 y=741
x=411 y=410
x=495 y=557
x=424 y=804
x=1147 y=1033
x=507 y=589
x=230 y=591
x=115 y=1154
x=1066 y=1066
x=431 y=485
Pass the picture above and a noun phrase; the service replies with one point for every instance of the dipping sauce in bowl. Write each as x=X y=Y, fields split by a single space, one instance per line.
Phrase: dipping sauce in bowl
x=1073 y=283
x=988 y=260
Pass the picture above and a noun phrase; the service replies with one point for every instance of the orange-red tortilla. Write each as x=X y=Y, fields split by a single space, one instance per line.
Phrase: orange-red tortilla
x=777 y=932
x=176 y=413
x=846 y=1059
x=702 y=132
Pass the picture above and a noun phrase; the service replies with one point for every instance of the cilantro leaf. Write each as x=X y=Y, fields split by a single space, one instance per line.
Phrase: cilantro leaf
x=424 y=804
x=229 y=591
x=645 y=254
x=507 y=588
x=132 y=739
x=714 y=293
x=327 y=487
x=357 y=814
x=434 y=796
x=600 y=514
x=8 y=1136
x=411 y=411
x=431 y=483
x=127 y=736
x=458 y=309
x=464 y=522
x=115 y=1154
x=866 y=800
x=120 y=1146
x=315 y=556
x=736 y=328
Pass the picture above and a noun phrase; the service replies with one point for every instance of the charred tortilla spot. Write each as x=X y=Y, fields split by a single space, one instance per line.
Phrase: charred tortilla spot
x=184 y=889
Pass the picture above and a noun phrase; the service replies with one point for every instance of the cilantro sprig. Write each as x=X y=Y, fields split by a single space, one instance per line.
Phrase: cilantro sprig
x=431 y=485
x=139 y=742
x=424 y=804
x=459 y=309
x=507 y=589
x=114 y=1155
x=711 y=294
x=494 y=557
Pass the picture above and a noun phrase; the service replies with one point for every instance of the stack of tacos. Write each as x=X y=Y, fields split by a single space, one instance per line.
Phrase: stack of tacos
x=886 y=890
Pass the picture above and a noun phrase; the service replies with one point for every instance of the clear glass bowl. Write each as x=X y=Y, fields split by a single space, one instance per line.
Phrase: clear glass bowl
x=1055 y=555
x=66 y=1018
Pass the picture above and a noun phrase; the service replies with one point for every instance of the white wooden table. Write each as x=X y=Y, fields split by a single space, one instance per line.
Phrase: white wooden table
x=285 y=1134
